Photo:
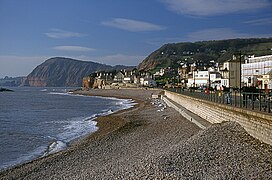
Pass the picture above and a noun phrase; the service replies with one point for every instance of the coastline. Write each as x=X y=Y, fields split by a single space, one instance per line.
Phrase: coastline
x=77 y=125
x=106 y=124
x=143 y=142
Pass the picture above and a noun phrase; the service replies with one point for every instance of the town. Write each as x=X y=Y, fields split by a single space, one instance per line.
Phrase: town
x=237 y=72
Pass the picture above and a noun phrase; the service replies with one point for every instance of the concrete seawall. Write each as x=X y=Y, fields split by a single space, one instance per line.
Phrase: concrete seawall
x=259 y=125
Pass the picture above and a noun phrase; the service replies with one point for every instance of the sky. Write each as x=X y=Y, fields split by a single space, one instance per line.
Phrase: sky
x=118 y=31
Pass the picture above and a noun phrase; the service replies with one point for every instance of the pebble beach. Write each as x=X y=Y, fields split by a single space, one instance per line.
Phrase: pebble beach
x=152 y=141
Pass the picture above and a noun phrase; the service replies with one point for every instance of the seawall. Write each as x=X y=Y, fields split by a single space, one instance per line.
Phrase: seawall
x=257 y=124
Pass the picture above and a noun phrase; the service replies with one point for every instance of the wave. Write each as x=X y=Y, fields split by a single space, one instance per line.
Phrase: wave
x=59 y=93
x=77 y=127
x=74 y=128
x=126 y=103
x=55 y=146
x=69 y=129
x=67 y=94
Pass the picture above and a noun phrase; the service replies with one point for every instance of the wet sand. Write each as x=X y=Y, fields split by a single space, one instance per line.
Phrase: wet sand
x=146 y=142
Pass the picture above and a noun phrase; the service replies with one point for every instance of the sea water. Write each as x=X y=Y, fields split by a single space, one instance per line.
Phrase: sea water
x=35 y=122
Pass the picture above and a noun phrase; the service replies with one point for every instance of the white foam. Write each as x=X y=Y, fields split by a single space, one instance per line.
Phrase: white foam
x=67 y=94
x=127 y=103
x=77 y=127
x=55 y=146
x=59 y=93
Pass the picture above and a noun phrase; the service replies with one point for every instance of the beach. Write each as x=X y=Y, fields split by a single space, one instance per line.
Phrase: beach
x=150 y=141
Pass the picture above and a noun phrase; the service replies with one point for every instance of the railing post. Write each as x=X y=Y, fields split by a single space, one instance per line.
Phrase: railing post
x=240 y=98
x=246 y=100
x=253 y=97
x=235 y=100
x=260 y=101
x=268 y=105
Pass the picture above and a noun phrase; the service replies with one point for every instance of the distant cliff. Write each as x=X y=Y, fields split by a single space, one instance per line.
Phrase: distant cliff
x=61 y=72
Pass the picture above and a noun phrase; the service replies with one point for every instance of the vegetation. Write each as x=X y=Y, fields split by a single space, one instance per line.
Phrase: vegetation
x=171 y=55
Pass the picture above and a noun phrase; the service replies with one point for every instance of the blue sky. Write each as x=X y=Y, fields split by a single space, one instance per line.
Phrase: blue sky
x=118 y=31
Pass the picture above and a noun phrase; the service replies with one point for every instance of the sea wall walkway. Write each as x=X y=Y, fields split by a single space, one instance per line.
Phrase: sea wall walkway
x=257 y=124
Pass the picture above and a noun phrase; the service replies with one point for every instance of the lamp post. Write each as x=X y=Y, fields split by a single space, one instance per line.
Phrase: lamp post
x=194 y=78
x=240 y=58
x=240 y=78
x=209 y=79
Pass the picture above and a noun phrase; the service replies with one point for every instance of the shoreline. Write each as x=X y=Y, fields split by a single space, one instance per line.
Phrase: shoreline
x=146 y=142
x=78 y=140
x=105 y=123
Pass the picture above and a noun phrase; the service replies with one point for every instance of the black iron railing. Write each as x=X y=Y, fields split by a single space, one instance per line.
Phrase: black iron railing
x=261 y=101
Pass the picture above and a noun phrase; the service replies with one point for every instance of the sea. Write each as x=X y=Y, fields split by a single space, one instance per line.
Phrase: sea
x=35 y=122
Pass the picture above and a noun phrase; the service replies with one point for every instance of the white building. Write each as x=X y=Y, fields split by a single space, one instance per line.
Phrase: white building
x=199 y=79
x=257 y=72
x=148 y=82
x=159 y=73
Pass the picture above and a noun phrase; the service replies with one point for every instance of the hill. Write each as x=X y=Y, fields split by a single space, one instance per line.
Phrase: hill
x=171 y=55
x=61 y=72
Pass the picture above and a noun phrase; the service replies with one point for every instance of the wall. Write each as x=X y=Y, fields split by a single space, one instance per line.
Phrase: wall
x=259 y=125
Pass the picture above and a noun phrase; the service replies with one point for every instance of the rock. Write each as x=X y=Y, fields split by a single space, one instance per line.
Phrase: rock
x=4 y=89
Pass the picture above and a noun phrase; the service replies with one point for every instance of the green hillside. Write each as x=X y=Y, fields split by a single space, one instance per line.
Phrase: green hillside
x=171 y=55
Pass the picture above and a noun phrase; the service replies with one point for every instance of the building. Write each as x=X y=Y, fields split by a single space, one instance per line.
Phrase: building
x=199 y=79
x=266 y=81
x=257 y=72
x=106 y=76
x=216 y=80
x=231 y=72
x=119 y=77
x=159 y=73
x=147 y=82
x=183 y=73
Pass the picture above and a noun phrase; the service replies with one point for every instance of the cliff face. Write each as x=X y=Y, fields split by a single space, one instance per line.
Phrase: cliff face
x=150 y=62
x=61 y=72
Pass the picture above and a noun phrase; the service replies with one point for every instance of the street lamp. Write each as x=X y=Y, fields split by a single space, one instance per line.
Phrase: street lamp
x=194 y=77
x=240 y=58
x=209 y=79
x=240 y=77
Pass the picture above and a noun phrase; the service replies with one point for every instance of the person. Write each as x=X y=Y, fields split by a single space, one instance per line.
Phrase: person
x=207 y=91
x=244 y=92
x=252 y=96
x=229 y=99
